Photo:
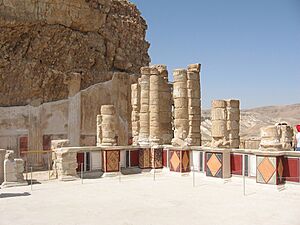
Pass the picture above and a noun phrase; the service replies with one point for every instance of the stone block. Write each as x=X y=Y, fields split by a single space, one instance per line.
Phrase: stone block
x=218 y=114
x=219 y=128
x=233 y=103
x=218 y=104
x=180 y=75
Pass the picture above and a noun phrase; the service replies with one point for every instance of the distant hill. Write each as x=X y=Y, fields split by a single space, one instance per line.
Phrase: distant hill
x=253 y=119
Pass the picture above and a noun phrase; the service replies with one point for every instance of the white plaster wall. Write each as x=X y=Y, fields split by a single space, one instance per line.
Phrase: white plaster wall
x=196 y=160
x=54 y=117
x=96 y=160
x=252 y=165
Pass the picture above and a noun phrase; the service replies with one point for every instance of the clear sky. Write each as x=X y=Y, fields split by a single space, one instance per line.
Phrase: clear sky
x=249 y=49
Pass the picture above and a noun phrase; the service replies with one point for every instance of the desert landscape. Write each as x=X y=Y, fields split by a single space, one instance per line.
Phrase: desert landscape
x=254 y=119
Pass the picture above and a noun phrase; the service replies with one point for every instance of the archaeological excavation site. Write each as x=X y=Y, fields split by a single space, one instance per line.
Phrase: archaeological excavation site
x=80 y=97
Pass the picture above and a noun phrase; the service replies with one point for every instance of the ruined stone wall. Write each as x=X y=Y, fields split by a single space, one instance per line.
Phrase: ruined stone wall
x=44 y=42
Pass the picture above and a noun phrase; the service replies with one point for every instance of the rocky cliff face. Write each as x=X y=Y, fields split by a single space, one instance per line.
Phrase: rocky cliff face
x=45 y=42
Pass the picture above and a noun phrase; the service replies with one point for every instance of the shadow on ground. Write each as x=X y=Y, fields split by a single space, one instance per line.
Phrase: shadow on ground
x=12 y=195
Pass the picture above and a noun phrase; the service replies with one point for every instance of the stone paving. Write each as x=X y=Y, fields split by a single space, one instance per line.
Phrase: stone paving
x=138 y=199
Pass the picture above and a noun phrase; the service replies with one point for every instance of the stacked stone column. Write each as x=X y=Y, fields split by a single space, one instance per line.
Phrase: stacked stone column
x=144 y=83
x=219 y=124
x=154 y=109
x=194 y=105
x=108 y=125
x=233 y=122
x=135 y=118
x=99 y=131
x=165 y=106
x=181 y=116
x=225 y=116
x=286 y=136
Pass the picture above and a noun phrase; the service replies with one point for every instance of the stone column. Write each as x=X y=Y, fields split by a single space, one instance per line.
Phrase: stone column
x=270 y=138
x=74 y=120
x=233 y=122
x=194 y=104
x=35 y=137
x=73 y=80
x=108 y=125
x=286 y=136
x=154 y=107
x=165 y=106
x=99 y=131
x=219 y=124
x=135 y=119
x=144 y=83
x=181 y=121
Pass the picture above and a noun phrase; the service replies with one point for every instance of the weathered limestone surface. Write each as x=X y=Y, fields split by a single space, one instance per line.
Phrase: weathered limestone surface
x=66 y=164
x=108 y=125
x=233 y=122
x=152 y=107
x=135 y=118
x=13 y=171
x=194 y=104
x=270 y=138
x=181 y=116
x=225 y=117
x=144 y=83
x=187 y=106
x=44 y=43
x=165 y=105
x=286 y=136
x=277 y=137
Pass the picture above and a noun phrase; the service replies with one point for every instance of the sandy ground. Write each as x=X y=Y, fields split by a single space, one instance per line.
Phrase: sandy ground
x=138 y=199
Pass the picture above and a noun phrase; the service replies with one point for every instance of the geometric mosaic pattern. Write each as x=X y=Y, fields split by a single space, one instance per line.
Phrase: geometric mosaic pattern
x=270 y=170
x=214 y=166
x=180 y=161
x=280 y=170
x=145 y=158
x=267 y=169
x=157 y=158
x=111 y=161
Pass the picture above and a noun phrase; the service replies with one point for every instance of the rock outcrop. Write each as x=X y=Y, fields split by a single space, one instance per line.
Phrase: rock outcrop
x=45 y=42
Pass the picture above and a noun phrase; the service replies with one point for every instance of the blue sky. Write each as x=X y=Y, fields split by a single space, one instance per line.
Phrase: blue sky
x=249 y=49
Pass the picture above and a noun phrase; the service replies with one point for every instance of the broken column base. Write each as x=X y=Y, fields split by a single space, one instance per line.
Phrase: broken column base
x=176 y=142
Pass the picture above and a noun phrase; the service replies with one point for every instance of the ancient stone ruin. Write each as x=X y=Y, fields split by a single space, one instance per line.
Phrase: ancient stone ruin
x=225 y=116
x=277 y=137
x=187 y=106
x=108 y=134
x=151 y=107
x=13 y=171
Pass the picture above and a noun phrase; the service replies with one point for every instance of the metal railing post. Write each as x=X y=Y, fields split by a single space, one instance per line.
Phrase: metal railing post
x=119 y=172
x=31 y=178
x=193 y=170
x=48 y=156
x=81 y=173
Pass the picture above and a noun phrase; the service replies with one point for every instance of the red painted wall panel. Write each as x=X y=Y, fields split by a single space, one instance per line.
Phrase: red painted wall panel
x=134 y=158
x=291 y=169
x=236 y=162
x=80 y=159
x=165 y=158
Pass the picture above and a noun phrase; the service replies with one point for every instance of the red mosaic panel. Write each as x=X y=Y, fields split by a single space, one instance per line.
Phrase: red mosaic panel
x=236 y=163
x=291 y=169
x=134 y=158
